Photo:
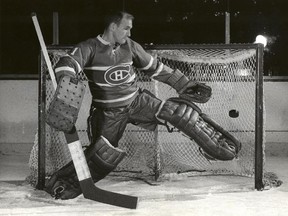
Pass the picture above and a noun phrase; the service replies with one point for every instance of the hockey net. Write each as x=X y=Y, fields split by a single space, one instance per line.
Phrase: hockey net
x=232 y=73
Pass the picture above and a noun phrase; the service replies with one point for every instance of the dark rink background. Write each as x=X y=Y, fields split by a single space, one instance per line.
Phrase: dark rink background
x=156 y=21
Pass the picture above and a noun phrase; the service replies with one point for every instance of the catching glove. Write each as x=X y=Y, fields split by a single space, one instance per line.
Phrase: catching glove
x=195 y=92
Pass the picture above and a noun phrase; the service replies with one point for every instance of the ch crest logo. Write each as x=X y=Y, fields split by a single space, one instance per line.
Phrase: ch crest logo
x=118 y=74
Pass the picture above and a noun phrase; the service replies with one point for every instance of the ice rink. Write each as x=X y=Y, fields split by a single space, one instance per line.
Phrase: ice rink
x=204 y=195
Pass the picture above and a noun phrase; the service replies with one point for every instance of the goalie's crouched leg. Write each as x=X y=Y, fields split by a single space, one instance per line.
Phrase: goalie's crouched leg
x=215 y=141
x=102 y=158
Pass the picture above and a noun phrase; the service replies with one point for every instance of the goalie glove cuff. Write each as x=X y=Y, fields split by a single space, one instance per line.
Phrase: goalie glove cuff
x=177 y=80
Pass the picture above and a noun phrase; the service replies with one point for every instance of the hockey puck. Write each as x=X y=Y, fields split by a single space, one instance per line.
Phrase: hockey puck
x=234 y=113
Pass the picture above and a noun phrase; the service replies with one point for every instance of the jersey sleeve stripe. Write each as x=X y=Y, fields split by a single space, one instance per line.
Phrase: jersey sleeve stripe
x=149 y=64
x=158 y=71
x=60 y=69
x=76 y=62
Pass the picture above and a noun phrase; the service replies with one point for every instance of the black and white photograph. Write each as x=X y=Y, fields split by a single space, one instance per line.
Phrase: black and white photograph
x=143 y=107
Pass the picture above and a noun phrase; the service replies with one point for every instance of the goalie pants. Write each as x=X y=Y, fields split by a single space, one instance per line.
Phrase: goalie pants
x=111 y=122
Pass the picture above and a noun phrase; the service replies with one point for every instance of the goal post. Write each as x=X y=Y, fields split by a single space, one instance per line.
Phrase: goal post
x=259 y=120
x=235 y=73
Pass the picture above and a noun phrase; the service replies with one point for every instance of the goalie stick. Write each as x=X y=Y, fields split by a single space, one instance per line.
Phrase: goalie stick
x=89 y=190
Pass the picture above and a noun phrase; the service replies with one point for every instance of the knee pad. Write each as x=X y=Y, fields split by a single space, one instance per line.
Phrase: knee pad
x=179 y=113
x=103 y=158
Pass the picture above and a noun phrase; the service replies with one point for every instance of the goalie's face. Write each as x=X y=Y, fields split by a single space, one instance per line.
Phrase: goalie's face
x=122 y=31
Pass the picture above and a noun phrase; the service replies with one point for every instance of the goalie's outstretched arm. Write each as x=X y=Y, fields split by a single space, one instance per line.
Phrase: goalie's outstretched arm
x=187 y=89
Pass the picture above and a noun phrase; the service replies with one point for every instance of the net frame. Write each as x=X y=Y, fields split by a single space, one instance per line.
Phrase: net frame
x=259 y=104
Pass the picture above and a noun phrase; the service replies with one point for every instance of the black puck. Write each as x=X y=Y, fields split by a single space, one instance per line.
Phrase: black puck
x=234 y=113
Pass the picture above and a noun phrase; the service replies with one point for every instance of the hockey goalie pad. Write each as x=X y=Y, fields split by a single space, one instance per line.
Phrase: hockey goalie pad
x=102 y=158
x=215 y=141
x=63 y=110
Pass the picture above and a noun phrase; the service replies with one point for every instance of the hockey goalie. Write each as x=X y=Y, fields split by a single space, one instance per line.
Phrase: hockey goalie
x=107 y=62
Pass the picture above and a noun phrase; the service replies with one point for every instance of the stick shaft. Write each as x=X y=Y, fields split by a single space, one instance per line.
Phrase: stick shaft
x=73 y=140
x=44 y=50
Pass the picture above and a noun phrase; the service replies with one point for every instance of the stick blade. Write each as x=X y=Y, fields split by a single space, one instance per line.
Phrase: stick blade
x=90 y=191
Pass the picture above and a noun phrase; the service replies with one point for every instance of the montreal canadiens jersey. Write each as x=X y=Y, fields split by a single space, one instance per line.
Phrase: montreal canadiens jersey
x=109 y=69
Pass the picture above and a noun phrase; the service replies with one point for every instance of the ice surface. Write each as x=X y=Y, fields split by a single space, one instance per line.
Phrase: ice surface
x=205 y=195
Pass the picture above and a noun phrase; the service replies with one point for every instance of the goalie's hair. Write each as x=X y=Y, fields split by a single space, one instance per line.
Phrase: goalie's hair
x=116 y=17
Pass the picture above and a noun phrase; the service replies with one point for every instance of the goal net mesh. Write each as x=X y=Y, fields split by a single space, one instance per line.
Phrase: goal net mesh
x=231 y=72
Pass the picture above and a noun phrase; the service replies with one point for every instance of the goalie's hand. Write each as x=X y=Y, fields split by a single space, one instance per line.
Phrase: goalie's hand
x=195 y=92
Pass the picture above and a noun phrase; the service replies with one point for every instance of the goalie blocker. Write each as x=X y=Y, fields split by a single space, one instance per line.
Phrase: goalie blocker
x=65 y=105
